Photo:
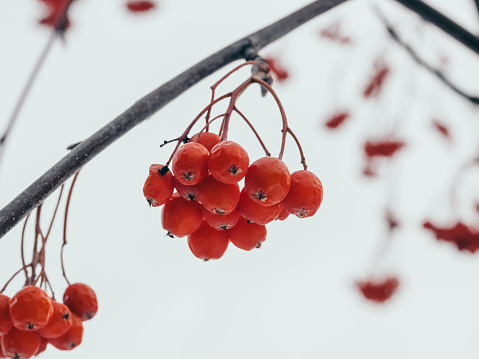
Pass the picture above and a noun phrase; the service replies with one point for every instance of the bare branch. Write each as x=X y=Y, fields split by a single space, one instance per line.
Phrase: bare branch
x=395 y=36
x=444 y=23
x=29 y=199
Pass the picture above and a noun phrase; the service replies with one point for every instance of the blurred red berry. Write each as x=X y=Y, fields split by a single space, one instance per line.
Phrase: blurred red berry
x=378 y=290
x=337 y=120
x=373 y=88
x=382 y=148
x=140 y=6
x=278 y=71
x=462 y=236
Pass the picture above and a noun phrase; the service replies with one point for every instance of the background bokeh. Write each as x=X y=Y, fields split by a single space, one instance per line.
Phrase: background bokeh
x=295 y=297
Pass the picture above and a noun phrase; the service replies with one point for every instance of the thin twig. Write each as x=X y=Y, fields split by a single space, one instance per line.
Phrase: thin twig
x=254 y=131
x=11 y=278
x=395 y=36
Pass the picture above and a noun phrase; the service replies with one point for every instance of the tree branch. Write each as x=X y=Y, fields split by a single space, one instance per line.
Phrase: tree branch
x=395 y=36
x=444 y=23
x=36 y=193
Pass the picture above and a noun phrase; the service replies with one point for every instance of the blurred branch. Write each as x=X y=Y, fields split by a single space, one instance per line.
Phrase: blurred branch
x=444 y=23
x=395 y=36
x=247 y=47
x=57 y=32
x=477 y=5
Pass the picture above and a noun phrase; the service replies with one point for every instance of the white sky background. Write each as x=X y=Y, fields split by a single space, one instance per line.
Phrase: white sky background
x=293 y=298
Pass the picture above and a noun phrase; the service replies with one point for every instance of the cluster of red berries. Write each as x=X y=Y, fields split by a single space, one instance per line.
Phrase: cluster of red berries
x=209 y=206
x=31 y=320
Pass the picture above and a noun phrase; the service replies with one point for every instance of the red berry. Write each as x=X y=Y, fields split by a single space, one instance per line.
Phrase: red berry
x=1 y=350
x=31 y=308
x=81 y=300
x=20 y=344
x=247 y=235
x=207 y=139
x=190 y=163
x=158 y=186
x=73 y=336
x=207 y=243
x=140 y=5
x=255 y=212
x=5 y=320
x=305 y=195
x=283 y=214
x=221 y=222
x=59 y=323
x=180 y=217
x=218 y=197
x=228 y=162
x=190 y=193
x=267 y=181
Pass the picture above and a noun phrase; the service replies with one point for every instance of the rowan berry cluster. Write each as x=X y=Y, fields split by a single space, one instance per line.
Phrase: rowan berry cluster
x=31 y=320
x=209 y=207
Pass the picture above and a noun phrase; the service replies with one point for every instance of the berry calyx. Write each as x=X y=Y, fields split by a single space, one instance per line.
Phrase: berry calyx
x=158 y=187
x=267 y=181
x=72 y=338
x=207 y=139
x=218 y=197
x=31 y=309
x=5 y=320
x=190 y=193
x=190 y=163
x=181 y=217
x=59 y=323
x=207 y=243
x=81 y=300
x=20 y=344
x=221 y=222
x=255 y=212
x=305 y=195
x=247 y=235
x=228 y=162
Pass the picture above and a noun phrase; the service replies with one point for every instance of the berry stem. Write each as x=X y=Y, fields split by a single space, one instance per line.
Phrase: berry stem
x=190 y=126
x=234 y=97
x=22 y=250
x=254 y=131
x=214 y=86
x=11 y=278
x=281 y=109
x=67 y=206
x=303 y=159
x=209 y=122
